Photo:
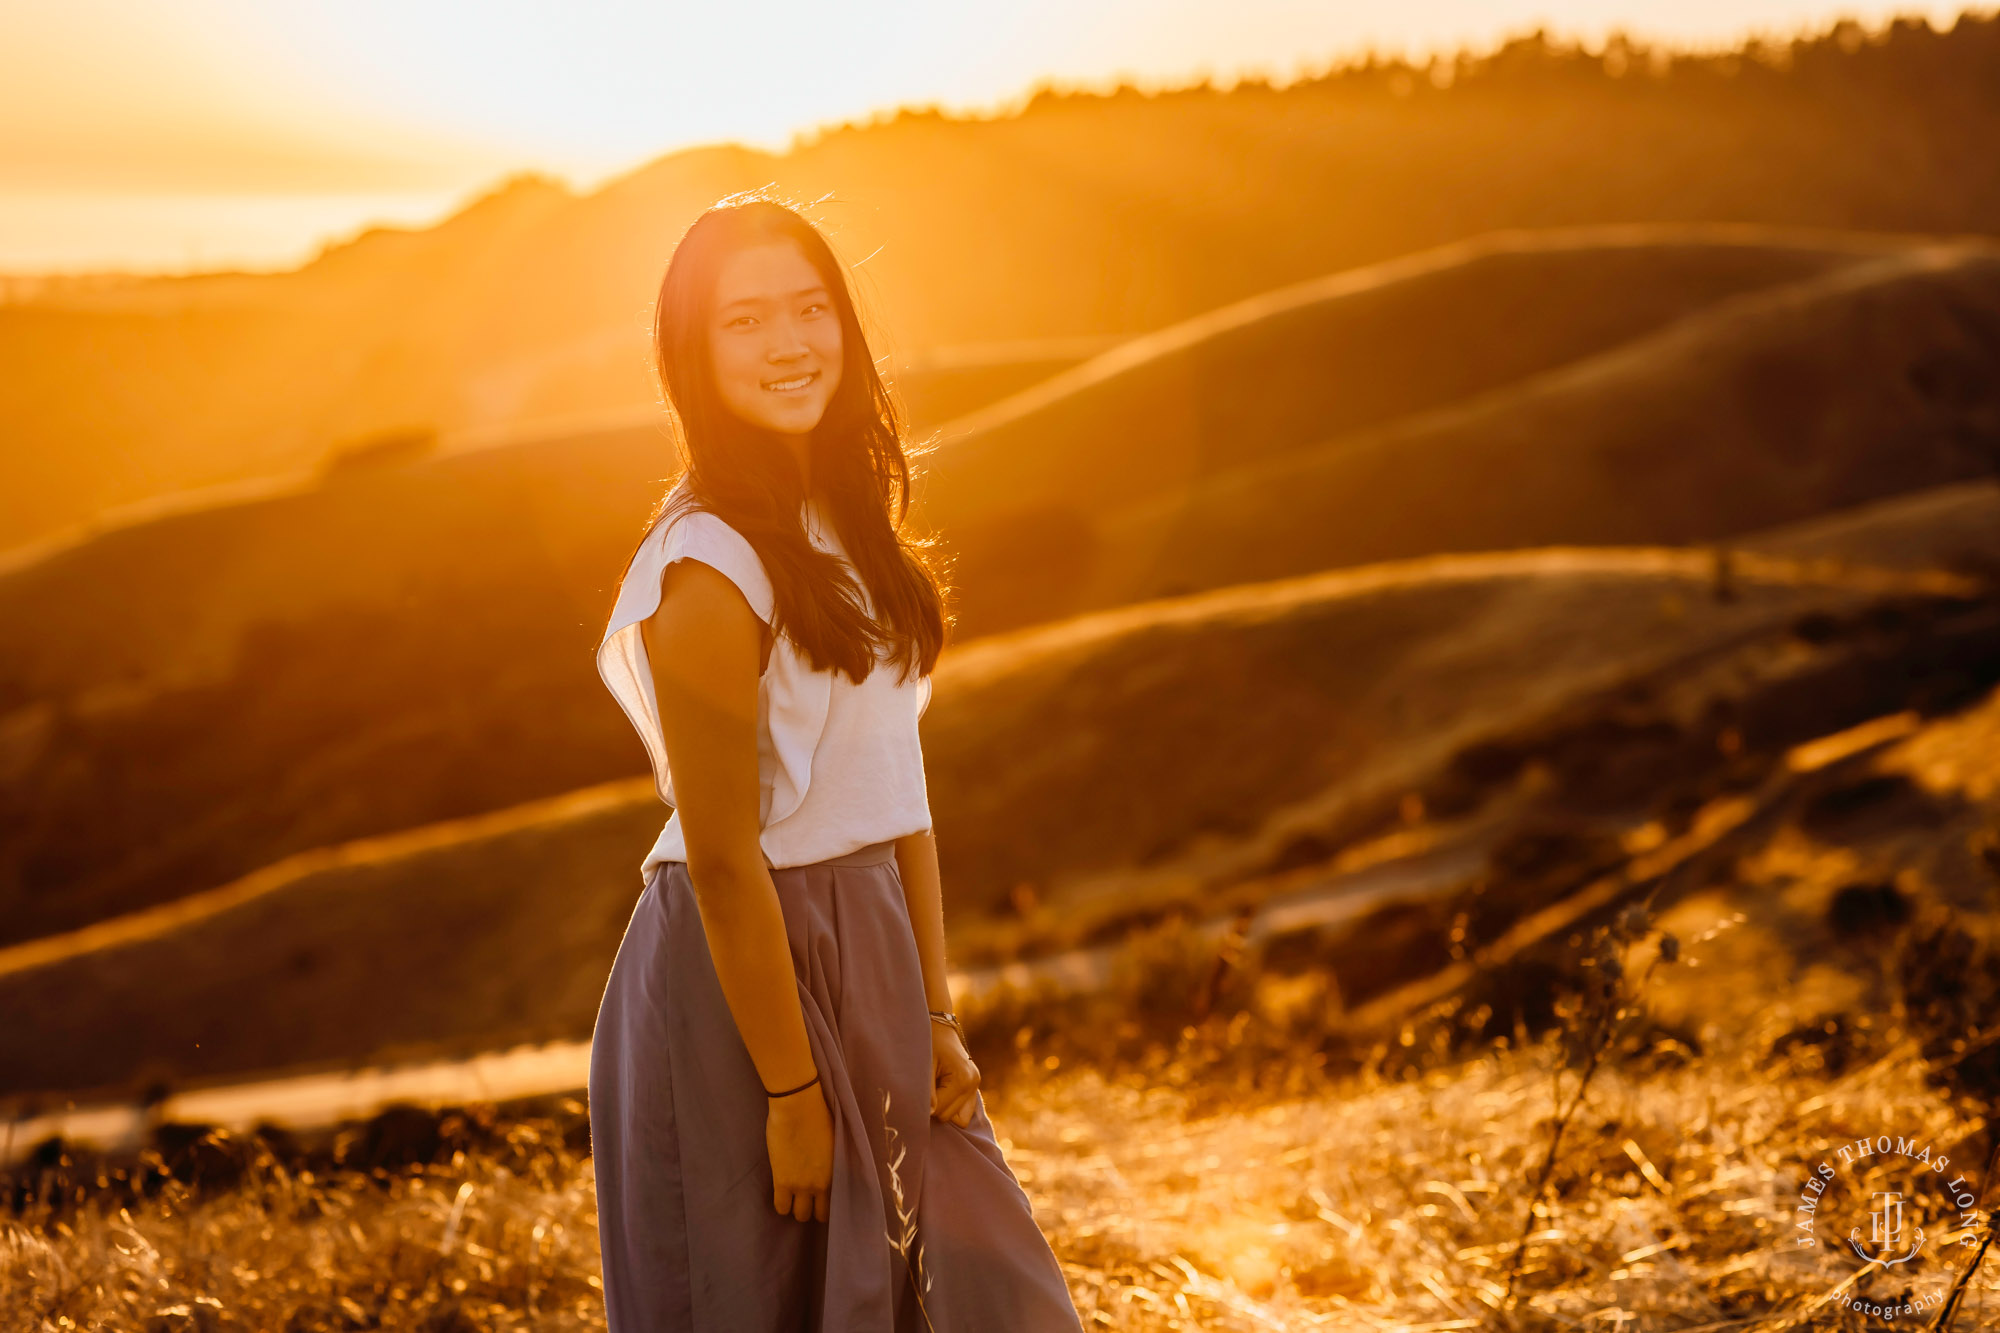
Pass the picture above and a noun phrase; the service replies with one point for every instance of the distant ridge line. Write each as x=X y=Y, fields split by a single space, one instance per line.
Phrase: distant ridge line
x=1693 y=563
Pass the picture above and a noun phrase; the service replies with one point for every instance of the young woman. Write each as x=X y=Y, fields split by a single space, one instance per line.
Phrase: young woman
x=786 y=1127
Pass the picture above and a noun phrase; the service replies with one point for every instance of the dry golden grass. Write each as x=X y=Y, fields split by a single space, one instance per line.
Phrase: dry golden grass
x=1176 y=1194
x=1394 y=1204
x=498 y=1240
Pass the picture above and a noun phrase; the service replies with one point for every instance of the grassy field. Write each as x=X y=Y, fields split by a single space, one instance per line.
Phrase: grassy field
x=1601 y=1106
x=1228 y=1178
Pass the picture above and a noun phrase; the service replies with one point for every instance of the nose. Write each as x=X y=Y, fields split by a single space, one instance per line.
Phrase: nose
x=786 y=342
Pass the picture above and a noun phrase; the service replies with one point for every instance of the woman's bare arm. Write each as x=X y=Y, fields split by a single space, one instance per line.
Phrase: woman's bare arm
x=954 y=1078
x=923 y=893
x=705 y=644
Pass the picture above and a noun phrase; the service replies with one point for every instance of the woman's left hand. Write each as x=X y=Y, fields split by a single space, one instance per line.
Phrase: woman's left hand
x=954 y=1078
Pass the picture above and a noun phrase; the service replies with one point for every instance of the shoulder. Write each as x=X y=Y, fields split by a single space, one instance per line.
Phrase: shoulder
x=699 y=535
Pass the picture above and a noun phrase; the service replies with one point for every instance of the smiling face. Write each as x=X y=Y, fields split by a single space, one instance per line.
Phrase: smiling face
x=775 y=338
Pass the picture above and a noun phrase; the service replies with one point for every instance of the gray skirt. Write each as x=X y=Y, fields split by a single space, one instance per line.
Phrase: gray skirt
x=686 y=1229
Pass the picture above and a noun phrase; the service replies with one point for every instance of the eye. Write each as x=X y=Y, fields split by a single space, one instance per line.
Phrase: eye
x=816 y=305
x=730 y=324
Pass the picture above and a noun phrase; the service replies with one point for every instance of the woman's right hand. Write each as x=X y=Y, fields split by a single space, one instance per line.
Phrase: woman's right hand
x=798 y=1132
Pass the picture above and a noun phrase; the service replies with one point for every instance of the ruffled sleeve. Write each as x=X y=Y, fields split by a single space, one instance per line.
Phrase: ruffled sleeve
x=621 y=655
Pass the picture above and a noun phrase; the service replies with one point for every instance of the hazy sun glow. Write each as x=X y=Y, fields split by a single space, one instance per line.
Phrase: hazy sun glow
x=227 y=131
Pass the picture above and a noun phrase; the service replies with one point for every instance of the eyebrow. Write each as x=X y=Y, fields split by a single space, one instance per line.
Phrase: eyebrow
x=820 y=288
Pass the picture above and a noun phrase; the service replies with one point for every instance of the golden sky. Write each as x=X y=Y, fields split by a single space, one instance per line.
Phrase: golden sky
x=215 y=131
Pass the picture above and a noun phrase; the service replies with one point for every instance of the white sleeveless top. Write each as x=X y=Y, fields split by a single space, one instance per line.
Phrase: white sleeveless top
x=839 y=765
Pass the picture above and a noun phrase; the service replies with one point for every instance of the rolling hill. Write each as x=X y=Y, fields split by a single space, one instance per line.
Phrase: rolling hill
x=186 y=699
x=1266 y=377
x=1760 y=409
x=1157 y=753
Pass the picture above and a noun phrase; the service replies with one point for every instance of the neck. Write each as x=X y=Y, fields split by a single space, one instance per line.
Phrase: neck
x=801 y=447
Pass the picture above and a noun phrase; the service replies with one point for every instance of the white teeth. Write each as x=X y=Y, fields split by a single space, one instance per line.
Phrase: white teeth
x=781 y=385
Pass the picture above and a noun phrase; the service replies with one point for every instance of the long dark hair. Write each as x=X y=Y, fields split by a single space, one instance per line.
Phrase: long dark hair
x=748 y=476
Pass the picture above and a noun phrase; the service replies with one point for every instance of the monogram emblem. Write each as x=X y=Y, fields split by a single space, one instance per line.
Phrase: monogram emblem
x=1886 y=1231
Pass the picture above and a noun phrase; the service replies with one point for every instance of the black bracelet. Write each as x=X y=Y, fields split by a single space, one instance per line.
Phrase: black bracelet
x=801 y=1088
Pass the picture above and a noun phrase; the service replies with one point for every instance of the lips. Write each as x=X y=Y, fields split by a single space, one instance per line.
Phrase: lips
x=793 y=383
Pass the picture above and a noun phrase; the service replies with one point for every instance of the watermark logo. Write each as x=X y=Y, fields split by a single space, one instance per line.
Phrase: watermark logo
x=1904 y=1223
x=1886 y=1232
